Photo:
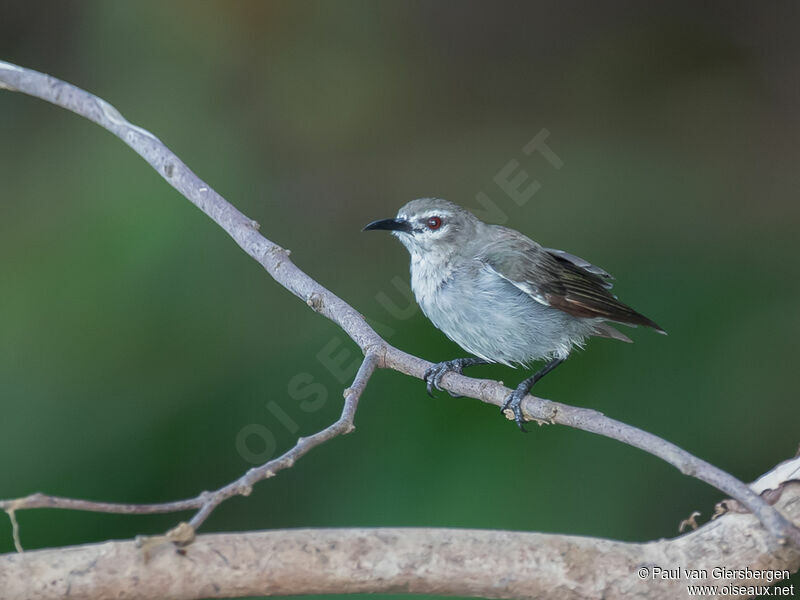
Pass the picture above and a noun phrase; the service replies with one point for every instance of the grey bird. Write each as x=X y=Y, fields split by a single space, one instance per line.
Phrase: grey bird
x=500 y=295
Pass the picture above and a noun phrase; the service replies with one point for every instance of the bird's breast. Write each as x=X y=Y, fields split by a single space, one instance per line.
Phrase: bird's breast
x=489 y=317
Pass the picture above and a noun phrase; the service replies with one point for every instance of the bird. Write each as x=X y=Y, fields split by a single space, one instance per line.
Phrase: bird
x=501 y=296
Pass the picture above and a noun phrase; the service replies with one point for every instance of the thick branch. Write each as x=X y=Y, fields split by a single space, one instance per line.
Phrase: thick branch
x=276 y=261
x=492 y=564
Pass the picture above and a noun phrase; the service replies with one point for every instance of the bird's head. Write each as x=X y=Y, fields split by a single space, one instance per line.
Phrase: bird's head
x=430 y=226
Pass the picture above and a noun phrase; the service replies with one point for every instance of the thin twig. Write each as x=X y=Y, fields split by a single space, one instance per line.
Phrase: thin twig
x=206 y=502
x=46 y=501
x=276 y=261
x=243 y=485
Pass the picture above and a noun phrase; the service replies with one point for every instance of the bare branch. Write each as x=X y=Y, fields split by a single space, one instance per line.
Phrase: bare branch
x=586 y=419
x=492 y=564
x=243 y=485
x=276 y=261
x=206 y=502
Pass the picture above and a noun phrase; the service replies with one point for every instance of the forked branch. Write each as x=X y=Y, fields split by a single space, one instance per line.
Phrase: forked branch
x=378 y=352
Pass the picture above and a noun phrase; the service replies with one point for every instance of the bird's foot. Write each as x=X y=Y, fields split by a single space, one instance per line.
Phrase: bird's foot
x=514 y=403
x=514 y=400
x=433 y=376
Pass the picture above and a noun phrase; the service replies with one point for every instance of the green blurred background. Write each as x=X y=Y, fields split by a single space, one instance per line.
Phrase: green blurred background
x=137 y=342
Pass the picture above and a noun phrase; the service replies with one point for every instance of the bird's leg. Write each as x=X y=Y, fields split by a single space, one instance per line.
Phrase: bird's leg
x=433 y=376
x=514 y=400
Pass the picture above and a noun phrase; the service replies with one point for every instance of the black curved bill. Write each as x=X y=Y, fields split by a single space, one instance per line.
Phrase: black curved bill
x=390 y=225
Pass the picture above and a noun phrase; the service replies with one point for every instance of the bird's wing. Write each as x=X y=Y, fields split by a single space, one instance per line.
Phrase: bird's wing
x=557 y=279
x=583 y=264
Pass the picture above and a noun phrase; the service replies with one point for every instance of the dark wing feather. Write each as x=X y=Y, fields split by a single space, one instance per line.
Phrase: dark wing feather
x=583 y=264
x=558 y=279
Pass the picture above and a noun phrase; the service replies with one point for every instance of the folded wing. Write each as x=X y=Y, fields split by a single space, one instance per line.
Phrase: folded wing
x=558 y=279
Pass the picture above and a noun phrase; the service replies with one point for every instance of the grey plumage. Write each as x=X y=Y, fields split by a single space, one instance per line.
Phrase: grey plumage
x=500 y=295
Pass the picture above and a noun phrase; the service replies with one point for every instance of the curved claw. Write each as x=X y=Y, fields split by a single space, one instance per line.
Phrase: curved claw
x=519 y=418
x=514 y=402
x=437 y=379
x=428 y=378
x=433 y=376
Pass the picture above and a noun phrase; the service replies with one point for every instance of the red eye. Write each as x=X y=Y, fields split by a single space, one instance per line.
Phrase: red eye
x=434 y=223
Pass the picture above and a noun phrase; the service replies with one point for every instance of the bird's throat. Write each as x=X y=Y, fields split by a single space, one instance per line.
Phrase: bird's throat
x=428 y=276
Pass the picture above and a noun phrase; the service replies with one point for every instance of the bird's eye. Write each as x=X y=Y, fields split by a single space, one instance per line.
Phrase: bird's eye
x=434 y=223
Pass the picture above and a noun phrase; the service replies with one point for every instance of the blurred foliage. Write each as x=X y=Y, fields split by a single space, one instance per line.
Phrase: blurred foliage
x=136 y=341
